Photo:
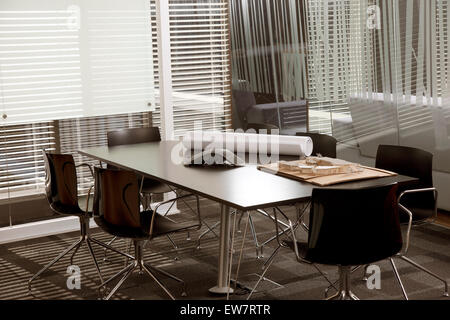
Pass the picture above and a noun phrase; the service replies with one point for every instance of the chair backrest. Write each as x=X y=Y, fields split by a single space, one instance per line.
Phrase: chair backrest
x=243 y=100
x=116 y=197
x=411 y=162
x=322 y=144
x=407 y=161
x=133 y=135
x=263 y=126
x=354 y=226
x=61 y=182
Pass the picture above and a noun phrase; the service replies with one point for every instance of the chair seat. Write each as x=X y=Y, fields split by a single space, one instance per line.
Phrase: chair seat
x=69 y=210
x=333 y=259
x=155 y=186
x=150 y=185
x=162 y=227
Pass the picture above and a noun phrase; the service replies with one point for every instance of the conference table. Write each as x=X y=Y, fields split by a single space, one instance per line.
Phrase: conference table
x=242 y=188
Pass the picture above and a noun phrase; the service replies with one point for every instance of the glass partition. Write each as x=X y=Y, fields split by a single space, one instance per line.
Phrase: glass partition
x=373 y=71
x=269 y=64
x=72 y=71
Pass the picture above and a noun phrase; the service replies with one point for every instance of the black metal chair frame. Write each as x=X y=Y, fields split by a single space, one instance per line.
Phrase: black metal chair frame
x=343 y=289
x=137 y=261
x=146 y=199
x=85 y=238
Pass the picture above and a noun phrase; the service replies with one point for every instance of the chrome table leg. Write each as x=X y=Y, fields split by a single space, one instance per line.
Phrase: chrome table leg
x=224 y=243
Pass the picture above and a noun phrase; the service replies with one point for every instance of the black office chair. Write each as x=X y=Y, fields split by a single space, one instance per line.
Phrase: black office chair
x=418 y=200
x=62 y=195
x=350 y=227
x=149 y=187
x=117 y=211
x=323 y=144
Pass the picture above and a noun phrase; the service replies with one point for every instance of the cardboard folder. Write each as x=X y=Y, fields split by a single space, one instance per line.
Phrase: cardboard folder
x=327 y=180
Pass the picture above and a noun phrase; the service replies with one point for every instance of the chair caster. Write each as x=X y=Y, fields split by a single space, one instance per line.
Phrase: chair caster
x=175 y=258
x=106 y=261
x=184 y=294
x=102 y=293
x=259 y=253
x=445 y=294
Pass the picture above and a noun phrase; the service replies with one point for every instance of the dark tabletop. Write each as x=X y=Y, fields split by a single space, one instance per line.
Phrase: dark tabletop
x=243 y=188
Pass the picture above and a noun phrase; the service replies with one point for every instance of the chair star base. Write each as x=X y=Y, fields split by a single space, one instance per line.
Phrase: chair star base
x=84 y=239
x=344 y=292
x=138 y=263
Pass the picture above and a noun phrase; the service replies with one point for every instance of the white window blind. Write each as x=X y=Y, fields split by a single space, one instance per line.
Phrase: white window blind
x=200 y=64
x=21 y=163
x=76 y=134
x=66 y=59
x=109 y=63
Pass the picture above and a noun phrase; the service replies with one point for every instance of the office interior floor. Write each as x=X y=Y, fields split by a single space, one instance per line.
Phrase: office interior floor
x=19 y=261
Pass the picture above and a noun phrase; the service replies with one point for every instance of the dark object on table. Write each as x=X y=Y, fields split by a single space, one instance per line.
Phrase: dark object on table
x=323 y=144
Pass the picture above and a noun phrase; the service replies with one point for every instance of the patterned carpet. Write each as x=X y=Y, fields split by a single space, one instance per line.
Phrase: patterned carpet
x=19 y=261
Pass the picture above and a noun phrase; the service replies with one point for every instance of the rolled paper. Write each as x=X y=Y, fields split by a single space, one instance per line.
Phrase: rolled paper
x=248 y=143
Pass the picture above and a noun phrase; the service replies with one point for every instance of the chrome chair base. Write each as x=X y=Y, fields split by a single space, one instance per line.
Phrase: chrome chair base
x=86 y=239
x=138 y=263
x=422 y=268
x=344 y=295
x=416 y=265
x=204 y=233
x=344 y=292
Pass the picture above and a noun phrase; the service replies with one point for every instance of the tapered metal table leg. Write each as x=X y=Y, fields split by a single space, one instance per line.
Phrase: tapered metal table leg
x=222 y=274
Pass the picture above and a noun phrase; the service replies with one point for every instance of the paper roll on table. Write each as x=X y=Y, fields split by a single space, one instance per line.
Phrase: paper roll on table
x=248 y=142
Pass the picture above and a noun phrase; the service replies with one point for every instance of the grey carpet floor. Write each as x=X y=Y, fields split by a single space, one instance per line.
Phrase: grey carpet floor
x=287 y=279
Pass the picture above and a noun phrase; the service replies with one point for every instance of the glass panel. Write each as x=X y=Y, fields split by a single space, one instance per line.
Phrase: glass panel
x=22 y=170
x=423 y=104
x=269 y=64
x=395 y=89
x=86 y=58
x=370 y=91
x=5 y=205
x=66 y=61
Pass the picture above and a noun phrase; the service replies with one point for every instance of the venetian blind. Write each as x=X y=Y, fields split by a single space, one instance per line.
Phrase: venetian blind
x=200 y=64
x=67 y=59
